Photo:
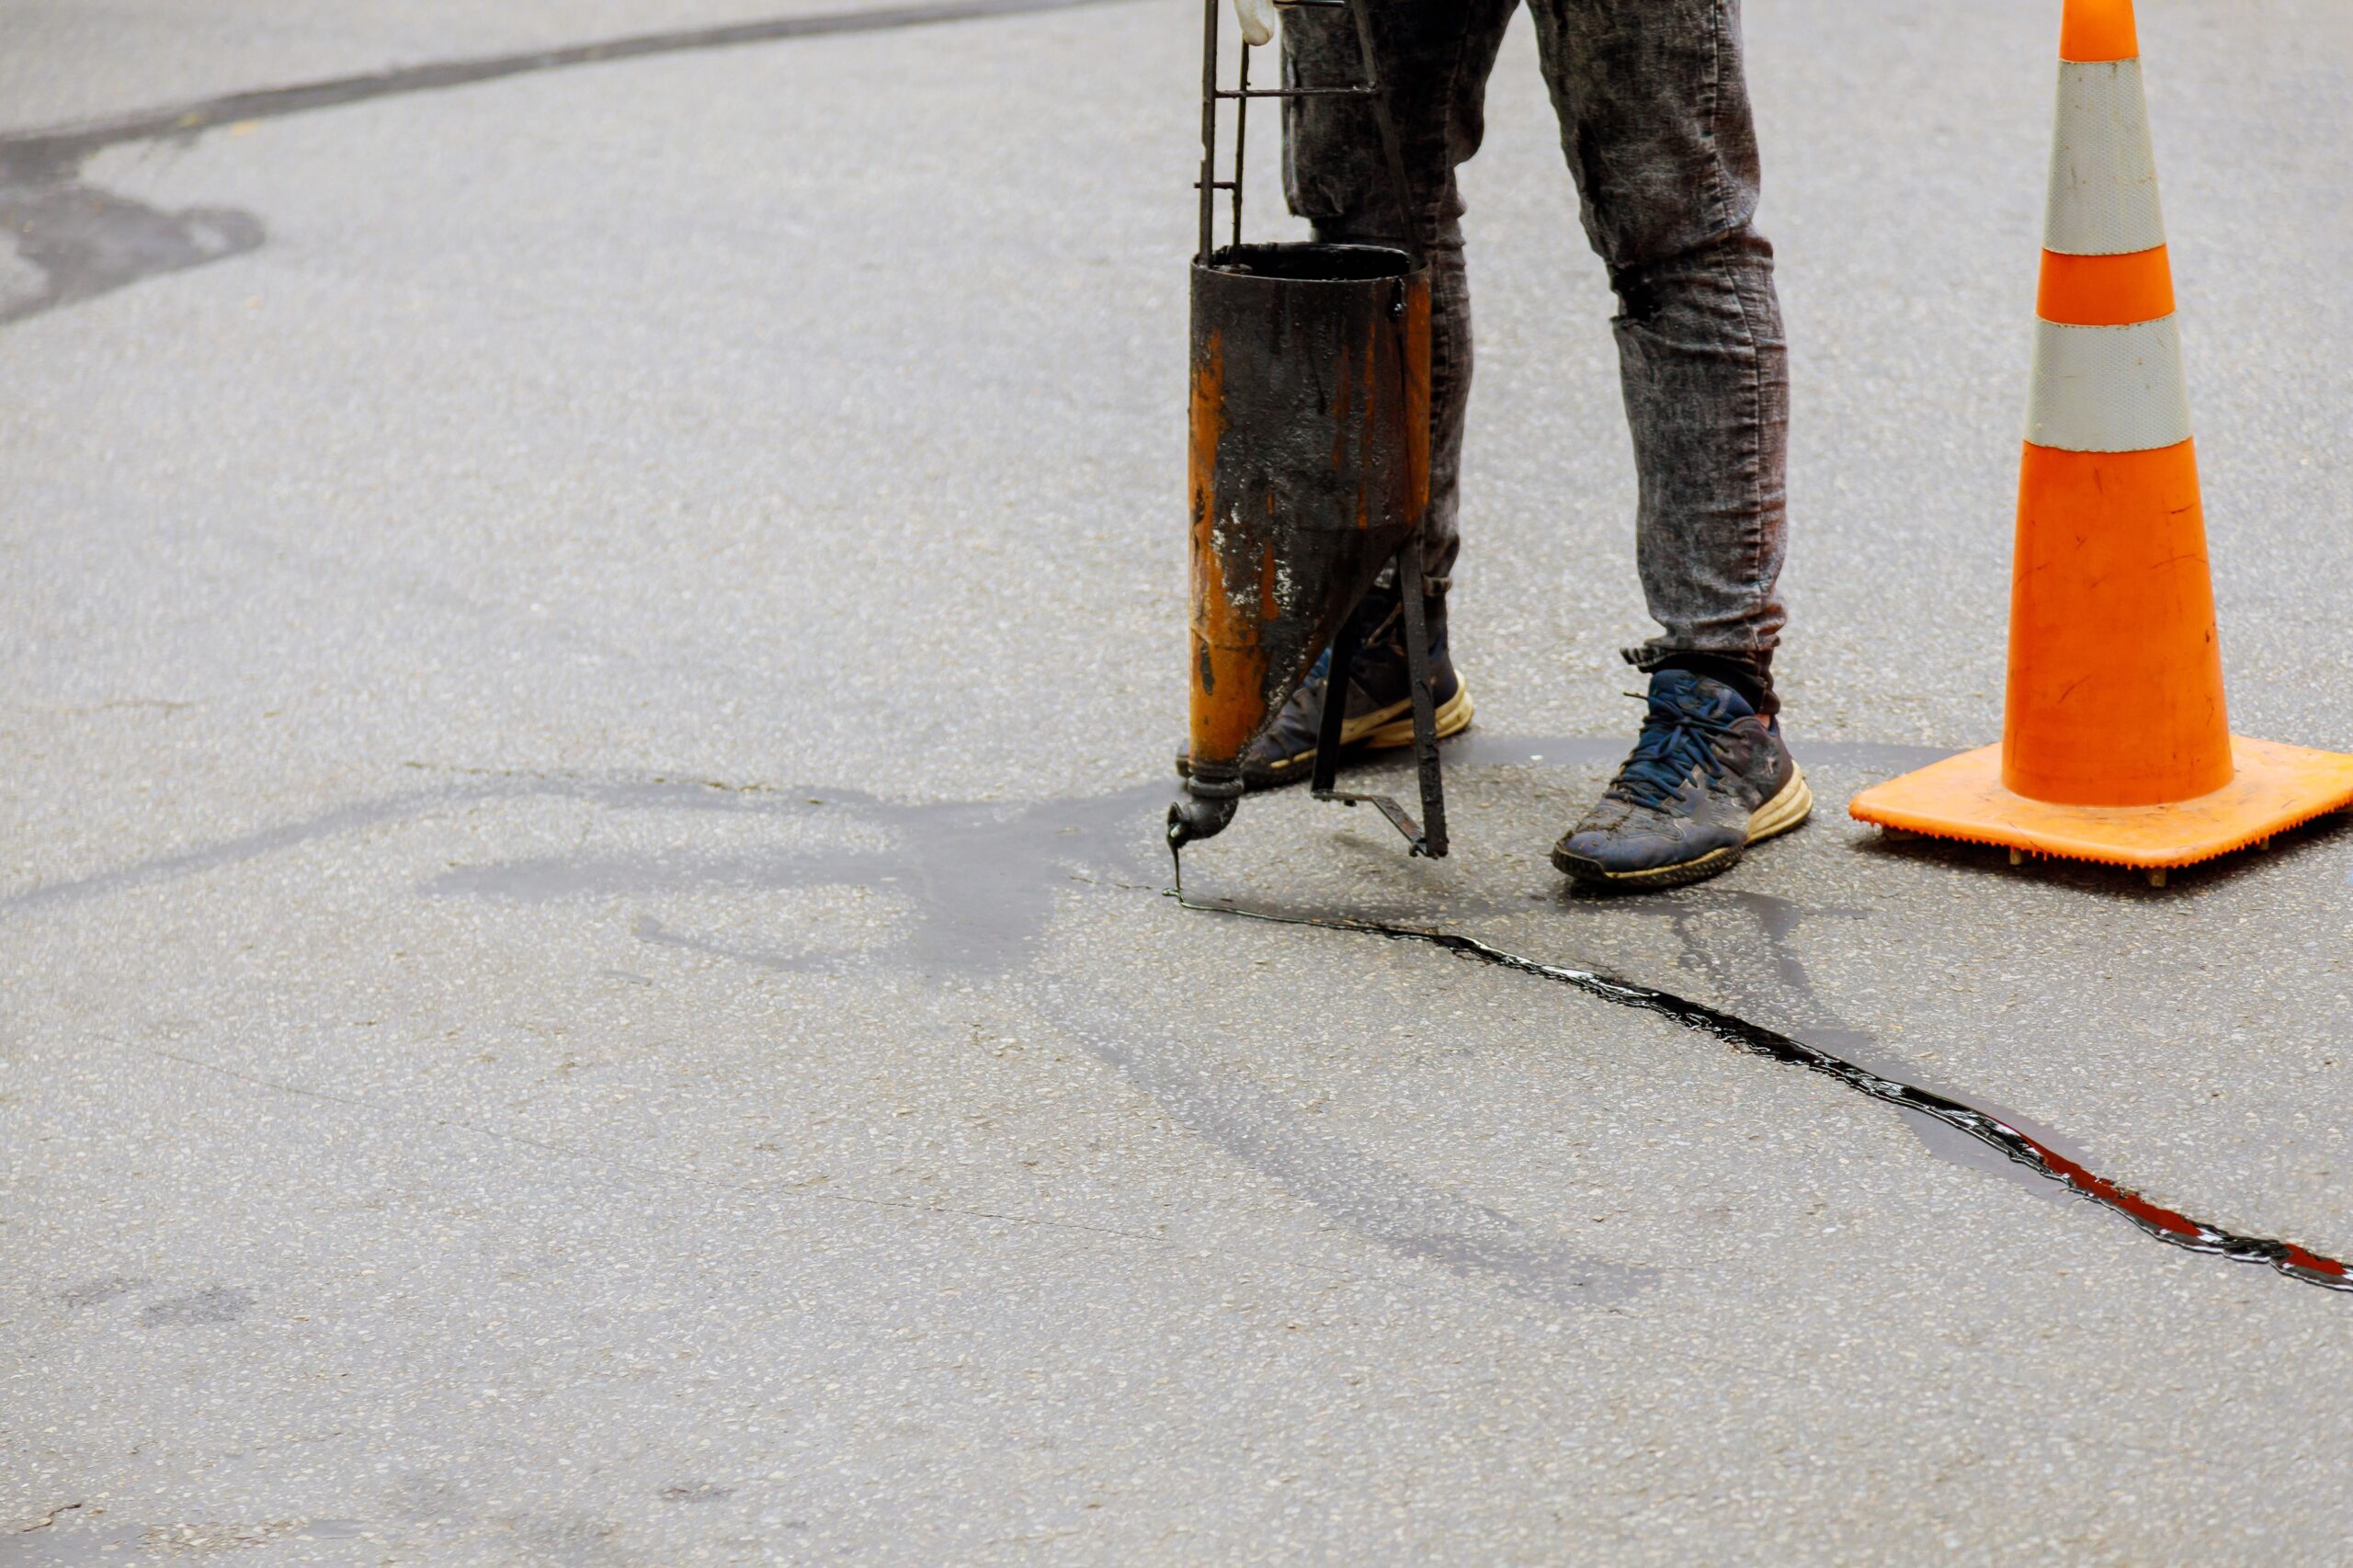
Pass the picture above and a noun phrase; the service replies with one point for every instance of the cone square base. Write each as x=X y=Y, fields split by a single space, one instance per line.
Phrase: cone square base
x=2277 y=787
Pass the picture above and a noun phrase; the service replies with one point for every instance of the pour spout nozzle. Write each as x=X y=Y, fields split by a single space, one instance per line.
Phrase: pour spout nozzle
x=1193 y=818
x=1210 y=796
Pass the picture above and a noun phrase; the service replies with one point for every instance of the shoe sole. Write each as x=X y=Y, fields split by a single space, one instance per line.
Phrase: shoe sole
x=1787 y=810
x=1383 y=729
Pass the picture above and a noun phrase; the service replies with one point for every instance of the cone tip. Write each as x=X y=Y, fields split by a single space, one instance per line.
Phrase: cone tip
x=2096 y=30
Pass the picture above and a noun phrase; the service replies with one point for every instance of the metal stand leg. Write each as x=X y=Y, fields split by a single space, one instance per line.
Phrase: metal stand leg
x=1417 y=669
x=1335 y=707
x=1431 y=840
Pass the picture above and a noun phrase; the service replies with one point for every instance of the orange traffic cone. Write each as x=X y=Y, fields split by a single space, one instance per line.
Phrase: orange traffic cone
x=2116 y=745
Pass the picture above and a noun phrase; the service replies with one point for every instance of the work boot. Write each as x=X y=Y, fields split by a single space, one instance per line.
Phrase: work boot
x=1707 y=779
x=1380 y=714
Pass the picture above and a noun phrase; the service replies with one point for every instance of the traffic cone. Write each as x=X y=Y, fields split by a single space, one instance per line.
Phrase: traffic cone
x=2116 y=745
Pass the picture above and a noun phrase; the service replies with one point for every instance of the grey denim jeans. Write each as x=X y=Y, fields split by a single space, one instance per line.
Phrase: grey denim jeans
x=1654 y=118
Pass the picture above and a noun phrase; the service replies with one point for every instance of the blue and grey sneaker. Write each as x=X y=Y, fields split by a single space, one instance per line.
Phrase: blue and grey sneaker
x=1707 y=779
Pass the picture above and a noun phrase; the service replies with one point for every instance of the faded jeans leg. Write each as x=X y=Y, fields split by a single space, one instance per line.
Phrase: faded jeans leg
x=1653 y=100
x=1704 y=370
x=1652 y=103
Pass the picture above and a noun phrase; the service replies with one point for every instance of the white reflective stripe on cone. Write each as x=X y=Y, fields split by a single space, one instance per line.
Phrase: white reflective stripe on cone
x=2103 y=172
x=2107 y=389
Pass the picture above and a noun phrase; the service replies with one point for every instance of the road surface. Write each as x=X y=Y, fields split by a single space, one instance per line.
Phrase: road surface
x=587 y=668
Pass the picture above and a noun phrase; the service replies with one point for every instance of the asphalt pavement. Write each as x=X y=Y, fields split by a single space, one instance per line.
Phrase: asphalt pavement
x=588 y=660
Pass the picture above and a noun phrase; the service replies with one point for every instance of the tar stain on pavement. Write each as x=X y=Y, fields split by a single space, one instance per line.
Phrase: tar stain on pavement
x=1370 y=1198
x=69 y=241
x=982 y=878
x=216 y=1303
x=190 y=1309
x=2160 y=1224
x=97 y=1292
x=55 y=1541
x=74 y=242
x=1790 y=993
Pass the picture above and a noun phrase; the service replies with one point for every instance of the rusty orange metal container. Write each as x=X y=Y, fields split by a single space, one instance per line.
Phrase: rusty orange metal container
x=1310 y=472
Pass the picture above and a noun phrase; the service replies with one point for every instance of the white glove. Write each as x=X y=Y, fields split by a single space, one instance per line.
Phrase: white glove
x=1257 y=19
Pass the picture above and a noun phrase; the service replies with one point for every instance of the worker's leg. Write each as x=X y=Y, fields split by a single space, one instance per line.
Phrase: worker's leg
x=1654 y=118
x=1435 y=56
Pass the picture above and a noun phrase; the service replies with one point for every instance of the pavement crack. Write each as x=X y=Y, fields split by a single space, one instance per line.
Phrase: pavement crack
x=51 y=1518
x=2152 y=1220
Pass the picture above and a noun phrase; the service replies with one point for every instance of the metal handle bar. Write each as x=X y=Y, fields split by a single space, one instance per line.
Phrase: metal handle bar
x=1370 y=89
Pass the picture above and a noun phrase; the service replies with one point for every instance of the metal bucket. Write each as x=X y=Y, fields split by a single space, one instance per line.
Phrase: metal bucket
x=1309 y=465
x=1309 y=472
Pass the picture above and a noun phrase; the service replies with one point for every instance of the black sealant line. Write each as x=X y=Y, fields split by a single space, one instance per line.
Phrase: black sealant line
x=30 y=152
x=2163 y=1224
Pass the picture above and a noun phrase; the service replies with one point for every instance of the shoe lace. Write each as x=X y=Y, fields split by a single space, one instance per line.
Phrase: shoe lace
x=1675 y=739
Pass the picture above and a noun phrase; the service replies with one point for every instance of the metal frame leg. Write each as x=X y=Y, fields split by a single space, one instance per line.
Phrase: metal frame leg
x=1335 y=707
x=1417 y=670
x=1425 y=840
